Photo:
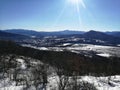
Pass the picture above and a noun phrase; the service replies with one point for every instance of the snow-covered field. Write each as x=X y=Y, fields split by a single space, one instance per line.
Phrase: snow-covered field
x=105 y=51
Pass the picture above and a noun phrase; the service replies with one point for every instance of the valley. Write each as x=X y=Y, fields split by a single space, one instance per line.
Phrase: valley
x=59 y=44
x=83 y=61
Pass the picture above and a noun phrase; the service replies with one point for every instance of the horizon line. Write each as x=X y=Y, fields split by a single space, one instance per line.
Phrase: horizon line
x=62 y=30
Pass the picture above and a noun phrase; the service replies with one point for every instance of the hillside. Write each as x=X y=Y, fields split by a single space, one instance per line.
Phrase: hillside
x=65 y=59
x=42 y=34
x=101 y=36
x=114 y=33
x=11 y=36
x=90 y=37
x=27 y=68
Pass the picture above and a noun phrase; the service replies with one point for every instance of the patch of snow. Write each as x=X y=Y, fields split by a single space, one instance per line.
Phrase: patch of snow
x=12 y=88
x=75 y=45
x=104 y=83
x=40 y=48
x=33 y=36
x=23 y=66
x=43 y=48
x=104 y=55
x=118 y=45
x=66 y=44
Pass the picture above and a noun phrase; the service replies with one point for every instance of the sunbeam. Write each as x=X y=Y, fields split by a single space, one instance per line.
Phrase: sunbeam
x=81 y=2
x=60 y=15
x=78 y=12
x=78 y=4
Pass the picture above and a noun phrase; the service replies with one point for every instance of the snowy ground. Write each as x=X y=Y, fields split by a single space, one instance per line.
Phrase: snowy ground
x=101 y=83
x=104 y=54
x=105 y=51
x=104 y=83
x=22 y=62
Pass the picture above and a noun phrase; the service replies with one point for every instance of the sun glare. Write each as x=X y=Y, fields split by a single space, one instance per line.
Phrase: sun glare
x=77 y=5
x=81 y=2
x=74 y=1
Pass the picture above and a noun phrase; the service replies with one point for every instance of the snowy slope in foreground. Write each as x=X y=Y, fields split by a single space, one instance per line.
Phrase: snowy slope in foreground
x=101 y=83
x=104 y=83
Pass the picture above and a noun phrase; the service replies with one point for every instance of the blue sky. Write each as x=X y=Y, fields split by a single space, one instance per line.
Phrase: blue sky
x=54 y=15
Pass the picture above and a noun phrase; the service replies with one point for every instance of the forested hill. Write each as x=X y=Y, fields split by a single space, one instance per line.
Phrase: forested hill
x=66 y=60
x=12 y=36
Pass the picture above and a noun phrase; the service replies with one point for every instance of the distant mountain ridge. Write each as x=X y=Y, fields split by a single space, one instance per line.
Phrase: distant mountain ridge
x=41 y=34
x=115 y=33
x=101 y=36
x=90 y=37
x=96 y=35
x=64 y=32
x=11 y=36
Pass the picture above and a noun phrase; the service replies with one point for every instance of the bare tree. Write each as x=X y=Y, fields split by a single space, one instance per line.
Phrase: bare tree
x=63 y=77
x=44 y=75
x=40 y=76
